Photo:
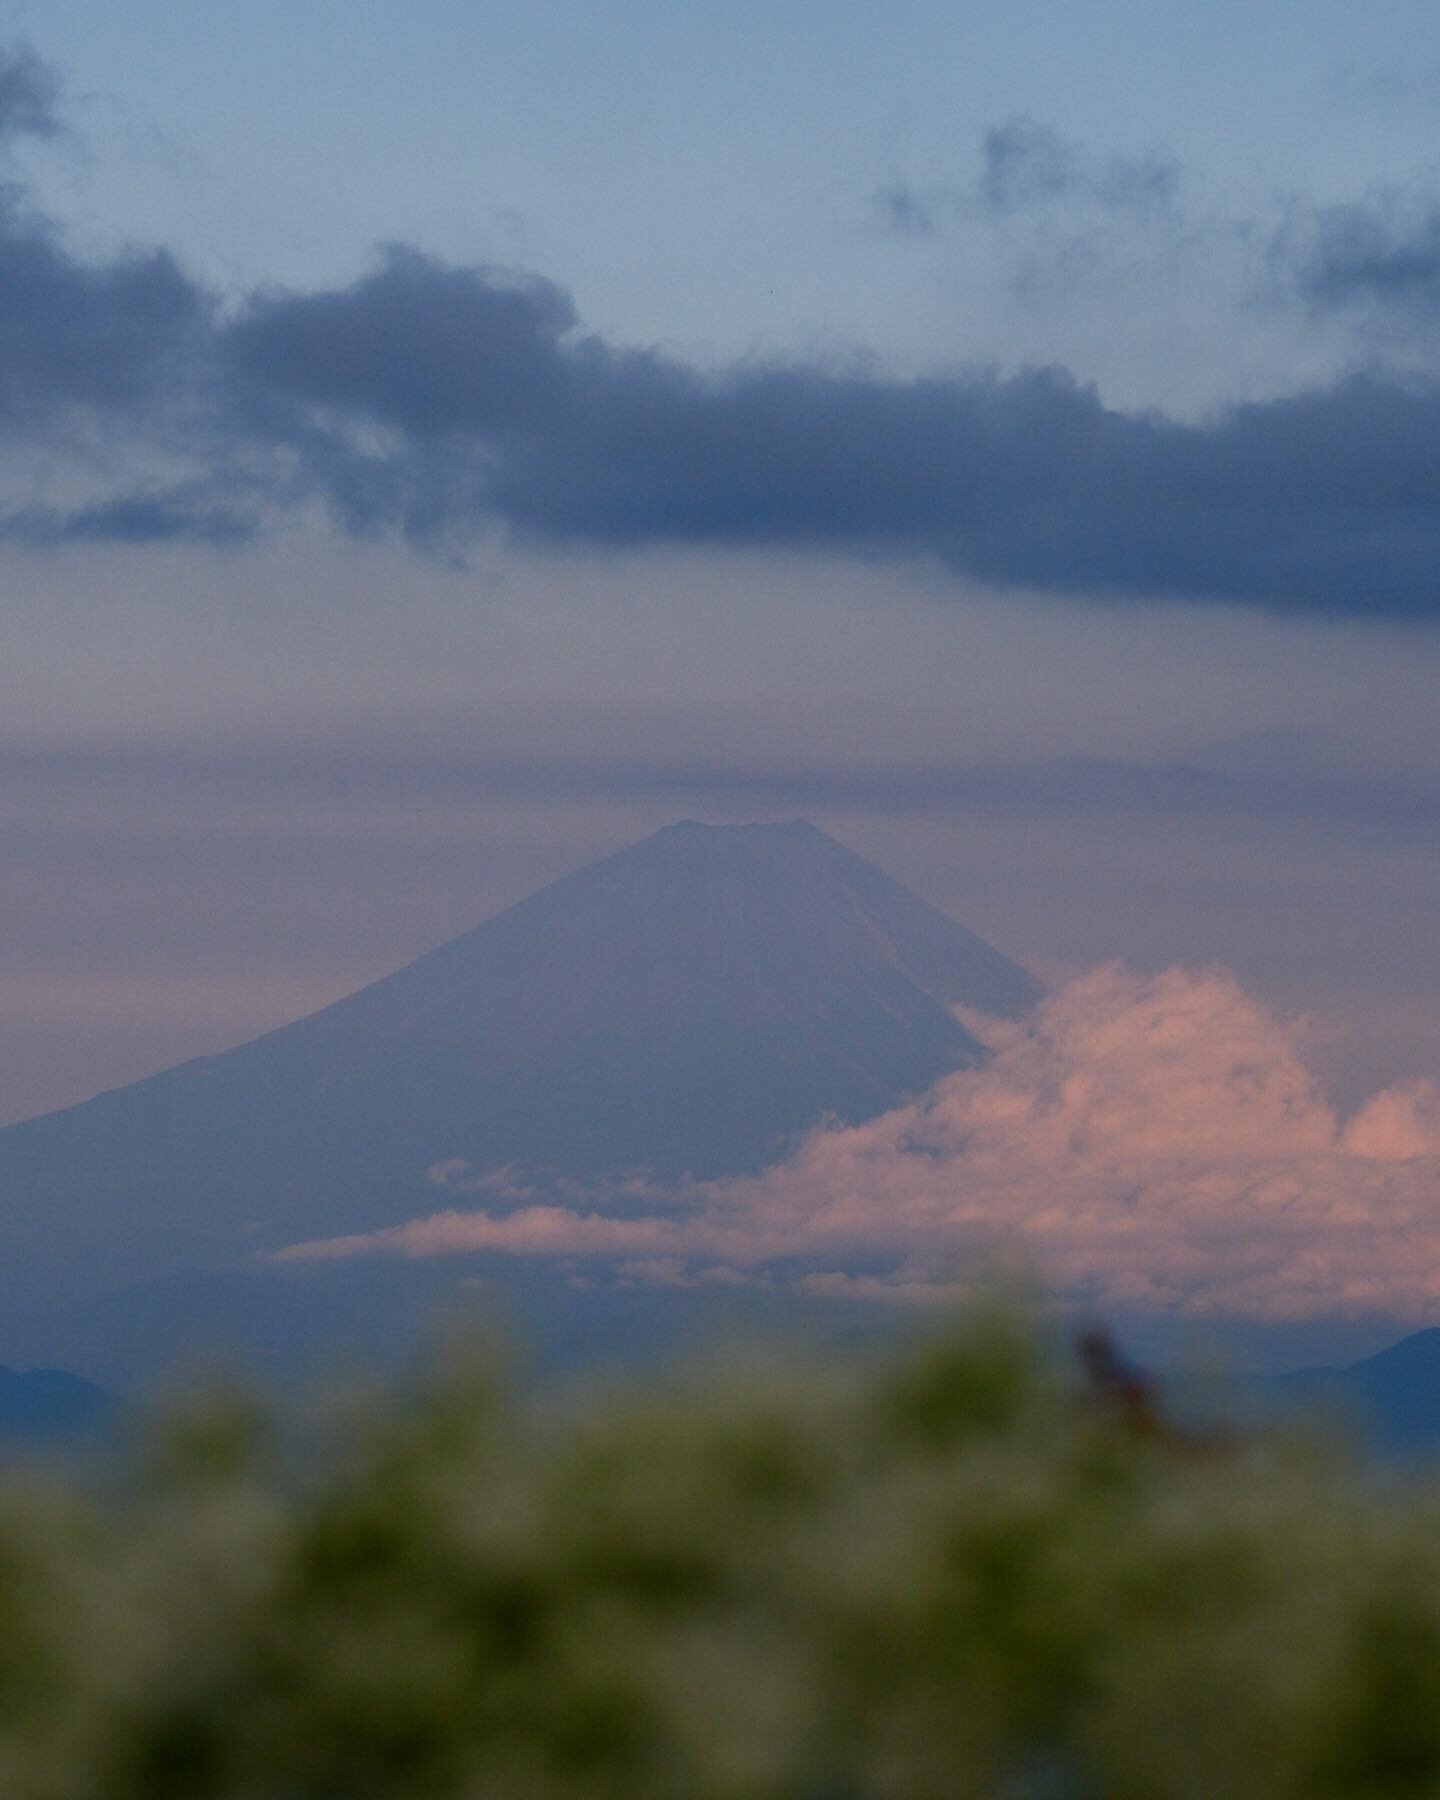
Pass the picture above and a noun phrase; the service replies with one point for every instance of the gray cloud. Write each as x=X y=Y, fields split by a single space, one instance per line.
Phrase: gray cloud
x=418 y=345
x=99 y=337
x=1382 y=252
x=1320 y=502
x=105 y=338
x=182 y=514
x=437 y=403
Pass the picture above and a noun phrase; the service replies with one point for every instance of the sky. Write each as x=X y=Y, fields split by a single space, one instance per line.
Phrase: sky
x=439 y=447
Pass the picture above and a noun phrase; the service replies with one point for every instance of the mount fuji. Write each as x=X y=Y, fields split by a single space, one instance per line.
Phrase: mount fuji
x=685 y=1007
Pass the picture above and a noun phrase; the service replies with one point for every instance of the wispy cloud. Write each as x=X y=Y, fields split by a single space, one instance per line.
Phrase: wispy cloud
x=187 y=513
x=1029 y=171
x=1143 y=1143
x=29 y=95
x=1028 y=166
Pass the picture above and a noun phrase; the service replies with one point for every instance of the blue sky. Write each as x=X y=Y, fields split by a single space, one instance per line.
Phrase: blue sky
x=326 y=638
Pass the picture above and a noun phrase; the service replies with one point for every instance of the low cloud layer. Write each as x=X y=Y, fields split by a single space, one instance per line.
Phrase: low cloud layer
x=437 y=404
x=1142 y=1144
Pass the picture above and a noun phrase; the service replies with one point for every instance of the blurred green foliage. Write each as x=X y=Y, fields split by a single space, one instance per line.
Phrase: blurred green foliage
x=956 y=1573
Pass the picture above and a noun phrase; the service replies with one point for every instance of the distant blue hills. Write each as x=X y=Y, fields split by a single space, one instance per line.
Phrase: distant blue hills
x=1388 y=1403
x=1391 y=1400
x=49 y=1408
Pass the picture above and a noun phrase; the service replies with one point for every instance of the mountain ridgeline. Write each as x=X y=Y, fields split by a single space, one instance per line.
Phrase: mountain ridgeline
x=688 y=1006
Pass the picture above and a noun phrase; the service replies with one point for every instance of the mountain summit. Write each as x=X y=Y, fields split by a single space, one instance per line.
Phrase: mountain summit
x=686 y=1006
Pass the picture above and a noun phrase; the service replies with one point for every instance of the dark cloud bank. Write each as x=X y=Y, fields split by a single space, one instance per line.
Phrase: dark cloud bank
x=435 y=402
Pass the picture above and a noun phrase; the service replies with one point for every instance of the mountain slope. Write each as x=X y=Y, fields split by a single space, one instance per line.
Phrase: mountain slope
x=687 y=1005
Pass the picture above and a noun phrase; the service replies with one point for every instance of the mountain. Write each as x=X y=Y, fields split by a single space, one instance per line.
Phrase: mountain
x=1392 y=1398
x=686 y=1006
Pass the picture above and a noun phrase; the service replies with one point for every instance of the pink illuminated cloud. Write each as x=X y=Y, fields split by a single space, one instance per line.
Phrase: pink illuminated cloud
x=1154 y=1143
